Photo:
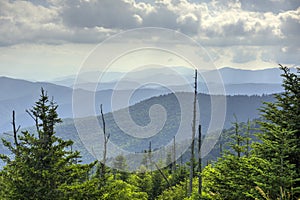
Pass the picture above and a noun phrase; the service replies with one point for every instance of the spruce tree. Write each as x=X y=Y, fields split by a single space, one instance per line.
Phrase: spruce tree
x=280 y=132
x=285 y=112
x=41 y=164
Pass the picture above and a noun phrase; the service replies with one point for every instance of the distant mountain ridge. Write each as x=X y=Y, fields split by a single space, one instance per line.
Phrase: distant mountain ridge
x=228 y=74
x=238 y=76
x=236 y=81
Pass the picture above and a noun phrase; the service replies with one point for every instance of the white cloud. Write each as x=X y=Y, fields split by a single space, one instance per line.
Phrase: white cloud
x=23 y=21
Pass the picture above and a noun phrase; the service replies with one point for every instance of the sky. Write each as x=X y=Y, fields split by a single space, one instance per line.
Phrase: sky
x=46 y=39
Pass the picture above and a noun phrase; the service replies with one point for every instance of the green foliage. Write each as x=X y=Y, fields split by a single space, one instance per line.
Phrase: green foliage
x=142 y=180
x=177 y=192
x=275 y=147
x=280 y=137
x=81 y=190
x=285 y=112
x=118 y=189
x=270 y=170
x=235 y=178
x=180 y=192
x=159 y=183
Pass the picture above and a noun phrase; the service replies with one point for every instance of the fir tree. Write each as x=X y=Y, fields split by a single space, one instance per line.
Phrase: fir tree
x=280 y=132
x=42 y=164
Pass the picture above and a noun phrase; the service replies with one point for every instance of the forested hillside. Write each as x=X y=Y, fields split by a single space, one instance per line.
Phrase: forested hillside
x=242 y=106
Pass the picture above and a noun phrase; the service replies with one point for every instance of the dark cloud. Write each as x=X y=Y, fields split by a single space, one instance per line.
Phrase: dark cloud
x=161 y=17
x=242 y=55
x=236 y=29
x=275 y=6
x=105 y=13
x=283 y=55
x=290 y=27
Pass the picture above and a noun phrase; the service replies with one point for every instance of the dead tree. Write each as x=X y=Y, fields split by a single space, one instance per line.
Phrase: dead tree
x=151 y=162
x=174 y=155
x=193 y=137
x=150 y=156
x=199 y=162
x=106 y=138
x=220 y=144
x=15 y=130
x=248 y=129
x=162 y=174
x=35 y=118
x=237 y=137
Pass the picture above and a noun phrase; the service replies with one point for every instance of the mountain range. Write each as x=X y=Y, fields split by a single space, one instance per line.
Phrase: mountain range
x=234 y=81
x=228 y=74
x=20 y=95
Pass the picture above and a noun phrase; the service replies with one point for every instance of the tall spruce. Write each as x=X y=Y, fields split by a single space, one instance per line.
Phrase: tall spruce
x=280 y=132
x=41 y=164
x=285 y=111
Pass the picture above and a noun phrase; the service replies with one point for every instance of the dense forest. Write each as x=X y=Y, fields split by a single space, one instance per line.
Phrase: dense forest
x=257 y=159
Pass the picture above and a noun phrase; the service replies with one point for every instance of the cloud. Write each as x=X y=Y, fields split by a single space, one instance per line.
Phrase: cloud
x=243 y=55
x=283 y=55
x=221 y=23
x=274 y=6
x=23 y=21
x=26 y=22
x=290 y=26
x=116 y=14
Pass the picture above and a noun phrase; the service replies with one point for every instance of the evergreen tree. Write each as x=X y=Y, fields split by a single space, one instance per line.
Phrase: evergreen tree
x=238 y=139
x=280 y=132
x=42 y=163
x=285 y=112
x=275 y=147
x=120 y=167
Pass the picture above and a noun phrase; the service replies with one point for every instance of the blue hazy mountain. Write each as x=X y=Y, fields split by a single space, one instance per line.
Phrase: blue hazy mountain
x=235 y=81
x=20 y=95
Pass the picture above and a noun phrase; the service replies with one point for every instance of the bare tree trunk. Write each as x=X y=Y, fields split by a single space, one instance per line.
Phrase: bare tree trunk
x=199 y=163
x=150 y=156
x=162 y=174
x=35 y=118
x=193 y=137
x=248 y=138
x=106 y=138
x=15 y=130
x=220 y=145
x=237 y=136
x=174 y=155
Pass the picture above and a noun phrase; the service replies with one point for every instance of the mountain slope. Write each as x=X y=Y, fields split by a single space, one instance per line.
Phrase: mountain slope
x=244 y=107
